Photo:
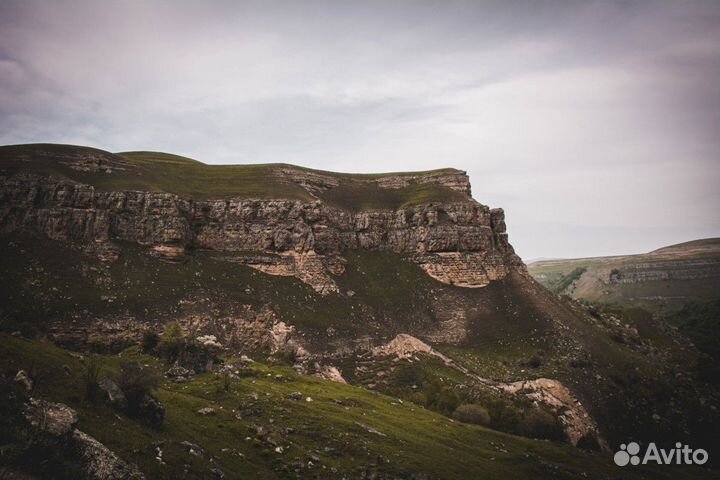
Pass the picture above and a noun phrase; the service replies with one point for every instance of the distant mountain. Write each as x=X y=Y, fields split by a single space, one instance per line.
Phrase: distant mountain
x=661 y=281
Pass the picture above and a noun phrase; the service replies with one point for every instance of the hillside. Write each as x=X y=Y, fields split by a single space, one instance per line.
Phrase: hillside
x=344 y=431
x=400 y=288
x=660 y=281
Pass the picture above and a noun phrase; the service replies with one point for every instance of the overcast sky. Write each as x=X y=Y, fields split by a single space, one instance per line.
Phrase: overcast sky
x=596 y=125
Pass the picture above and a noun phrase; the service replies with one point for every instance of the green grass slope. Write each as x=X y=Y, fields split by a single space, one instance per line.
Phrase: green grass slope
x=162 y=172
x=50 y=288
x=344 y=431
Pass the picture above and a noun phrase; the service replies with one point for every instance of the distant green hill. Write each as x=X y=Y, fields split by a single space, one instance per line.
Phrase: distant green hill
x=661 y=281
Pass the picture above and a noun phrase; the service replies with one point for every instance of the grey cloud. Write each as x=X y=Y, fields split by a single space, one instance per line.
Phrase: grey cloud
x=593 y=123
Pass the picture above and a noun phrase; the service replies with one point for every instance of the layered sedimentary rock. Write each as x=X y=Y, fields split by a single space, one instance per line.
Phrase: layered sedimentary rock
x=461 y=243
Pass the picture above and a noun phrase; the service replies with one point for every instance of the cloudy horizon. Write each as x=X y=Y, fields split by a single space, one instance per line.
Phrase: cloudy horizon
x=594 y=124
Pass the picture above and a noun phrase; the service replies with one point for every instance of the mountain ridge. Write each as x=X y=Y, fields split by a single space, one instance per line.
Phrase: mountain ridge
x=661 y=280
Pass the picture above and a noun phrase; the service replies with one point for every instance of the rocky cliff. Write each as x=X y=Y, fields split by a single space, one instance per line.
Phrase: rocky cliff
x=460 y=242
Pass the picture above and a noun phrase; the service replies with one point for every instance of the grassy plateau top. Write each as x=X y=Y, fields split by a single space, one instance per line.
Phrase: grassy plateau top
x=188 y=178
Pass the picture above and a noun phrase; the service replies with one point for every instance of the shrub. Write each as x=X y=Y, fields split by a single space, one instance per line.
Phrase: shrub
x=581 y=362
x=407 y=375
x=197 y=356
x=286 y=357
x=538 y=423
x=589 y=441
x=149 y=342
x=536 y=361
x=472 y=413
x=136 y=383
x=92 y=372
x=172 y=342
x=504 y=416
x=97 y=344
x=440 y=398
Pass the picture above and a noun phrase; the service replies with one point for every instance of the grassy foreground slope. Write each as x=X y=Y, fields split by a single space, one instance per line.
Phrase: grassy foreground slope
x=62 y=292
x=661 y=281
x=258 y=431
x=188 y=178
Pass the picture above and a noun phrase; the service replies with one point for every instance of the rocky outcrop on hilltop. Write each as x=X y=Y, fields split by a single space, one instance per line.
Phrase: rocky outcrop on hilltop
x=459 y=243
x=316 y=183
x=577 y=423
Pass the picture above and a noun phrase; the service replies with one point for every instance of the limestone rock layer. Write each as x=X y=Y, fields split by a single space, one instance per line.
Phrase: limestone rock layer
x=462 y=243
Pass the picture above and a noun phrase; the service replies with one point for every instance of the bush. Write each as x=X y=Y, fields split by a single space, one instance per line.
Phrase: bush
x=536 y=361
x=136 y=383
x=96 y=344
x=538 y=423
x=172 y=342
x=92 y=372
x=522 y=418
x=589 y=441
x=472 y=413
x=407 y=375
x=149 y=342
x=440 y=398
x=286 y=357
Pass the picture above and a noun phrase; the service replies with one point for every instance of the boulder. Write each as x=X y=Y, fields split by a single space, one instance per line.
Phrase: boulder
x=193 y=449
x=99 y=463
x=95 y=460
x=178 y=371
x=23 y=378
x=152 y=412
x=329 y=372
x=112 y=394
x=56 y=419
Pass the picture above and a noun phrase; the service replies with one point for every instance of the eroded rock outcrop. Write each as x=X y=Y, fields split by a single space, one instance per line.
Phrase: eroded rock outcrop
x=55 y=419
x=96 y=461
x=407 y=346
x=462 y=243
x=576 y=421
x=99 y=463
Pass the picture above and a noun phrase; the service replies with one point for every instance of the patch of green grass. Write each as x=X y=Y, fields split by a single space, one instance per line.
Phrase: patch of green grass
x=567 y=280
x=700 y=321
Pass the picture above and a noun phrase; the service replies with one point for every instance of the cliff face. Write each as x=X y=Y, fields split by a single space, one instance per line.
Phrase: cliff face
x=462 y=243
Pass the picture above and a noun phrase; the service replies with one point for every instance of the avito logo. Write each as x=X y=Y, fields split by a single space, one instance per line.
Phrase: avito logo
x=680 y=455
